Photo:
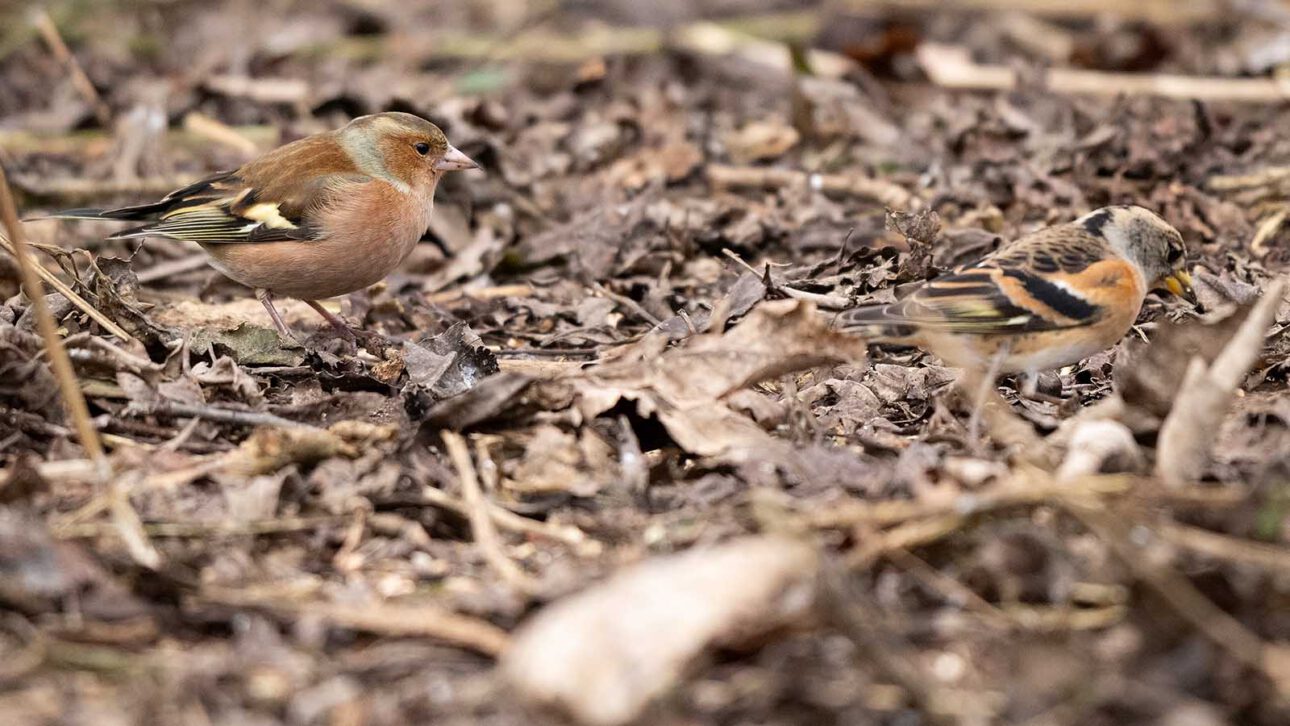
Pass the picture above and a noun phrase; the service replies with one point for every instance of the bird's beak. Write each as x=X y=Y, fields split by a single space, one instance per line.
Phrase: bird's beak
x=454 y=160
x=1179 y=283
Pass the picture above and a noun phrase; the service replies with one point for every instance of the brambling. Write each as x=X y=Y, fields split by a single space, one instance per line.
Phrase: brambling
x=1044 y=301
x=323 y=216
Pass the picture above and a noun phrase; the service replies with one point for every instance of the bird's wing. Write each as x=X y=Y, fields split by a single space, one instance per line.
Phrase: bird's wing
x=271 y=199
x=232 y=210
x=1055 y=279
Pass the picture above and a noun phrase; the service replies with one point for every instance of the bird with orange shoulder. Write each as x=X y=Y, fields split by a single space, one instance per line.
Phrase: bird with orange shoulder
x=319 y=217
x=1043 y=301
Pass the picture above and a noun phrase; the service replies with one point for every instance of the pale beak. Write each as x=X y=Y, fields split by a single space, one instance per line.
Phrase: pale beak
x=454 y=160
x=1179 y=283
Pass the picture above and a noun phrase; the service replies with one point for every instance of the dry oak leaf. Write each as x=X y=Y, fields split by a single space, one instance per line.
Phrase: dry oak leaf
x=686 y=387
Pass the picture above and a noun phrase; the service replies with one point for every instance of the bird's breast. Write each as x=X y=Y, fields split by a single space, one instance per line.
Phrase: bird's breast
x=362 y=237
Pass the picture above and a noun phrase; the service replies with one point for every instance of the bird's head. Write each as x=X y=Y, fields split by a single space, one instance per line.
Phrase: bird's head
x=1145 y=239
x=404 y=149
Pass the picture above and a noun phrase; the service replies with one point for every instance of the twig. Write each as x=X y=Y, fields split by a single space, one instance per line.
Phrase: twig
x=168 y=268
x=949 y=588
x=1268 y=228
x=628 y=303
x=427 y=621
x=1012 y=617
x=81 y=303
x=222 y=415
x=1156 y=12
x=1024 y=487
x=952 y=67
x=849 y=185
x=261 y=90
x=58 y=359
x=508 y=520
x=481 y=293
x=124 y=517
x=49 y=32
x=219 y=132
x=126 y=522
x=828 y=302
x=1223 y=547
x=593 y=42
x=19 y=663
x=481 y=521
x=1211 y=621
x=904 y=536
x=253 y=528
x=125 y=359
x=822 y=301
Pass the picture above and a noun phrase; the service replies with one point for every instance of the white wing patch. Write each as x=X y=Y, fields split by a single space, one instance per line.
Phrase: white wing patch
x=267 y=213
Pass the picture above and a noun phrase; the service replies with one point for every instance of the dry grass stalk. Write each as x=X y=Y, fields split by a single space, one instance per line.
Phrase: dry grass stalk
x=1187 y=436
x=953 y=67
x=1223 y=547
x=1156 y=12
x=62 y=288
x=54 y=350
x=124 y=517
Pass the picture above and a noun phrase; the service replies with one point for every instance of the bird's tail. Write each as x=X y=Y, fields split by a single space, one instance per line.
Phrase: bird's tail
x=139 y=213
x=877 y=324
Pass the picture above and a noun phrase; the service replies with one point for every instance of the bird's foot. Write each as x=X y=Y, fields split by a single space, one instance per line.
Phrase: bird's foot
x=374 y=343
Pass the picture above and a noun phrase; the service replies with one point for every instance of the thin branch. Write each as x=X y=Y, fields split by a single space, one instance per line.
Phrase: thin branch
x=49 y=32
x=221 y=528
x=951 y=66
x=222 y=415
x=425 y=621
x=510 y=521
x=481 y=521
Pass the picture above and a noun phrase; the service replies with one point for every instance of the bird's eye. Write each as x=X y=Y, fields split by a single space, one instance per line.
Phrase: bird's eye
x=422 y=148
x=1175 y=254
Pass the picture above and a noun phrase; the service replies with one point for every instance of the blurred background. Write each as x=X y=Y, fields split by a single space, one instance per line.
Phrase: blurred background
x=573 y=105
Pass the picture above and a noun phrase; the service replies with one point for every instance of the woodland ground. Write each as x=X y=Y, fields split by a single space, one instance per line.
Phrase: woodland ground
x=613 y=346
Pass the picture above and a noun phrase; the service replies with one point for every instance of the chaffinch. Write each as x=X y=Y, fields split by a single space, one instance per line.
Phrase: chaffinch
x=323 y=216
x=1046 y=300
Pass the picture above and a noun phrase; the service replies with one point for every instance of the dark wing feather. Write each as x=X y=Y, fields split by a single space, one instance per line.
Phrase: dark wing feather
x=971 y=301
x=230 y=212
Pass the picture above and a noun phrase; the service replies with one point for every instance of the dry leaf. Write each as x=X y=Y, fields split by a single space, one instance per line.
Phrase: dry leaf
x=603 y=654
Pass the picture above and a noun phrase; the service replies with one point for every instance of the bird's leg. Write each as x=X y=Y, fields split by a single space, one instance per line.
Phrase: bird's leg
x=333 y=319
x=266 y=298
x=984 y=386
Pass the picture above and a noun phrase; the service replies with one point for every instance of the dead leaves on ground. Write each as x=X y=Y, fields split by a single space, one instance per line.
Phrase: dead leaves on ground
x=690 y=389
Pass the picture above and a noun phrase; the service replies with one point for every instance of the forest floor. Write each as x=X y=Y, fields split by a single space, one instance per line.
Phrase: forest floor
x=611 y=442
